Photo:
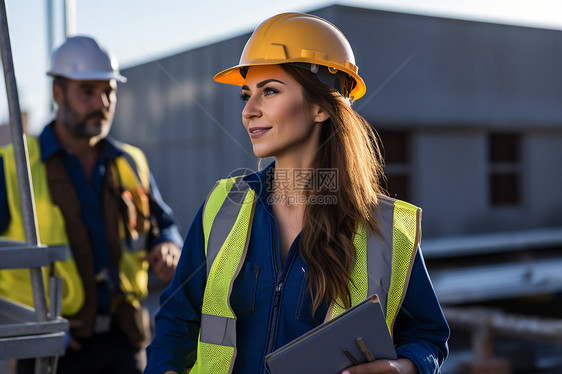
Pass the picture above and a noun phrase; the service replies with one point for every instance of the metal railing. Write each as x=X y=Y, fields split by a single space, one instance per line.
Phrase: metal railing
x=486 y=324
x=28 y=332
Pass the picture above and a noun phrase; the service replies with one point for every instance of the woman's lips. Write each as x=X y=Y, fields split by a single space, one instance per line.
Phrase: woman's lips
x=257 y=132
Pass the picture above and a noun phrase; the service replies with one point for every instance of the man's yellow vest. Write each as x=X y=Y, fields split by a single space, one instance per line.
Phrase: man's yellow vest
x=382 y=266
x=15 y=284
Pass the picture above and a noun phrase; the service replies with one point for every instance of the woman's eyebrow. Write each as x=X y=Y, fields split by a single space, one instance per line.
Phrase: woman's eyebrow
x=263 y=83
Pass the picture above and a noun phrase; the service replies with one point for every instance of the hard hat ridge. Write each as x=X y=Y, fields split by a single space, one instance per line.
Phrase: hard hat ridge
x=83 y=58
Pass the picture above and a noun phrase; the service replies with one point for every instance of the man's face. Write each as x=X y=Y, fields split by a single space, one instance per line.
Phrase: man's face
x=86 y=108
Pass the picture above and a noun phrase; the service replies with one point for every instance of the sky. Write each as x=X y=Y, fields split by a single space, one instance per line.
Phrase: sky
x=138 y=31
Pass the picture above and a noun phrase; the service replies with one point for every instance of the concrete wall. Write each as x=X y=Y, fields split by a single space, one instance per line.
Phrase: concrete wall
x=451 y=183
x=543 y=181
x=430 y=70
x=448 y=181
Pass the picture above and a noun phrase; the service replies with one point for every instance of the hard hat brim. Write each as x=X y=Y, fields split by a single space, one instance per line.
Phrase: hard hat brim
x=232 y=76
x=89 y=76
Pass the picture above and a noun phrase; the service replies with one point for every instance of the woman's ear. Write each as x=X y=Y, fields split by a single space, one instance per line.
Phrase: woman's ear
x=320 y=115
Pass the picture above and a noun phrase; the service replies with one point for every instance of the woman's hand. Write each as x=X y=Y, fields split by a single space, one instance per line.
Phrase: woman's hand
x=400 y=366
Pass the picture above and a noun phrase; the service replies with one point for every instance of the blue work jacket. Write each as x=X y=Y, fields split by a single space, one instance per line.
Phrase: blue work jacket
x=420 y=331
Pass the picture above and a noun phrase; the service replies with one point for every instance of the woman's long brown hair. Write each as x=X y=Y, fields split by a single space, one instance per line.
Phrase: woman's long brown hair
x=348 y=149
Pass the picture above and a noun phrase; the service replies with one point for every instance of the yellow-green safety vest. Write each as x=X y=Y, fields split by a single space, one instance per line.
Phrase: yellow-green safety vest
x=382 y=266
x=15 y=284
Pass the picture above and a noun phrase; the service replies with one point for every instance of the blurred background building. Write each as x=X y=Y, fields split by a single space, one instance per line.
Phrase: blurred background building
x=469 y=113
x=470 y=116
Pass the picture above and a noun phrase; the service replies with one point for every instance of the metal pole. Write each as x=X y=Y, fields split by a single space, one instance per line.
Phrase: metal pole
x=69 y=18
x=22 y=162
x=50 y=46
x=50 y=32
x=23 y=174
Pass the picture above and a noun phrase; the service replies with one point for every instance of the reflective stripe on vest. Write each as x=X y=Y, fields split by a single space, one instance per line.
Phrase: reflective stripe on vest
x=385 y=263
x=227 y=220
x=15 y=284
x=382 y=266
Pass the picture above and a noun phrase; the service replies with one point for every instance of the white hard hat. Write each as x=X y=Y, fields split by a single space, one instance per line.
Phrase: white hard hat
x=82 y=58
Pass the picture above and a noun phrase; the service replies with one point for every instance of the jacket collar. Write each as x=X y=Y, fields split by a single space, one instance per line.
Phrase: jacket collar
x=260 y=181
x=50 y=146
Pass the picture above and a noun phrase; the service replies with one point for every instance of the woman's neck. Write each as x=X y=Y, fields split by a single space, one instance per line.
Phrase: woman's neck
x=290 y=175
x=291 y=184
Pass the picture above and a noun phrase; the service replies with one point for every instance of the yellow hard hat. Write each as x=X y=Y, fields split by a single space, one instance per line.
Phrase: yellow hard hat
x=297 y=38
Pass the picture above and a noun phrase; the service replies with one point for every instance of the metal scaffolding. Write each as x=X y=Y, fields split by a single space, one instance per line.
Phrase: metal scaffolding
x=28 y=332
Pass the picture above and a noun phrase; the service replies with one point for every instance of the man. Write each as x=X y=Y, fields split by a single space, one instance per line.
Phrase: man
x=96 y=196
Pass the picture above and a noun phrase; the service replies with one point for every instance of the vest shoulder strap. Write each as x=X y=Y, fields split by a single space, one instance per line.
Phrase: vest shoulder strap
x=406 y=237
x=227 y=223
x=220 y=212
x=133 y=160
x=387 y=260
x=213 y=202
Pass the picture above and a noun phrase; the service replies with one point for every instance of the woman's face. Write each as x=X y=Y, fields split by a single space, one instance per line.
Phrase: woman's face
x=279 y=121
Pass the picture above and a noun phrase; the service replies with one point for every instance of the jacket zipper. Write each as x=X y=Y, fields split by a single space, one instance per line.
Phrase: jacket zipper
x=274 y=317
x=278 y=288
x=279 y=278
x=276 y=299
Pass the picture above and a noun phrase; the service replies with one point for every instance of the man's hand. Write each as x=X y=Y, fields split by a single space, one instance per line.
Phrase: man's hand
x=400 y=366
x=163 y=259
x=70 y=342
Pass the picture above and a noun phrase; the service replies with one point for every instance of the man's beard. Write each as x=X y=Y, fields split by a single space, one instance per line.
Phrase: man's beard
x=78 y=125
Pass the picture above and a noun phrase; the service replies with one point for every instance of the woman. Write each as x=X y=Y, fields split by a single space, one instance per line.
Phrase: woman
x=273 y=254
